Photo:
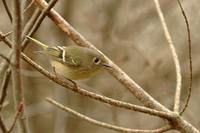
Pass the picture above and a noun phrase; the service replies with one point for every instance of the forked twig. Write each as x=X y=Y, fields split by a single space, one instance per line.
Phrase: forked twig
x=17 y=116
x=3 y=36
x=175 y=58
x=2 y=125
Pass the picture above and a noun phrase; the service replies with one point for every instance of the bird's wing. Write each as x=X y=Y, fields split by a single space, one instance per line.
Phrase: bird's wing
x=73 y=62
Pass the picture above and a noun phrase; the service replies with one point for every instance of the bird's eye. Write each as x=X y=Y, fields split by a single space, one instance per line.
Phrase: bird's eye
x=96 y=60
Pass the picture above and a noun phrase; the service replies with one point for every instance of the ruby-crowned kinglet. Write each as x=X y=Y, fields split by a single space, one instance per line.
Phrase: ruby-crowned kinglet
x=73 y=62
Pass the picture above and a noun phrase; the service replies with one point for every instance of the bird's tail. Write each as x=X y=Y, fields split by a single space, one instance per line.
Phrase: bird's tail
x=40 y=44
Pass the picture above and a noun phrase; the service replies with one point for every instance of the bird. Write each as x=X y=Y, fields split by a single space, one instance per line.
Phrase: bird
x=73 y=62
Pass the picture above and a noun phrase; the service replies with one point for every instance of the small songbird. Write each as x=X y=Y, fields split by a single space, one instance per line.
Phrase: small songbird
x=73 y=62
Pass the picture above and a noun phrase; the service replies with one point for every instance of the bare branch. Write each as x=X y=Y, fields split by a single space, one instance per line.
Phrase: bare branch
x=5 y=64
x=38 y=22
x=31 y=22
x=4 y=87
x=7 y=10
x=2 y=36
x=15 y=60
x=28 y=6
x=2 y=125
x=17 y=116
x=105 y=125
x=174 y=55
x=5 y=58
x=190 y=58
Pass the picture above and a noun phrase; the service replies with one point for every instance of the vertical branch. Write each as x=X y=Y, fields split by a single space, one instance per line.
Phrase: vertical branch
x=15 y=60
x=174 y=55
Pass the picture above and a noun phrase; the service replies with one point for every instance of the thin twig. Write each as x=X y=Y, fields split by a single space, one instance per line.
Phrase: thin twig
x=2 y=125
x=38 y=22
x=5 y=58
x=3 y=38
x=17 y=116
x=115 y=71
x=4 y=35
x=4 y=87
x=190 y=58
x=15 y=60
x=29 y=6
x=7 y=10
x=5 y=64
x=106 y=125
x=175 y=58
x=29 y=29
x=31 y=22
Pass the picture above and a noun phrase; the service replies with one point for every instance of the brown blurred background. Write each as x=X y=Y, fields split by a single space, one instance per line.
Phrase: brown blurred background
x=128 y=32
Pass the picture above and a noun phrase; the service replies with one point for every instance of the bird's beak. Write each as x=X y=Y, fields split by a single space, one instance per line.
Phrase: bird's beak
x=105 y=65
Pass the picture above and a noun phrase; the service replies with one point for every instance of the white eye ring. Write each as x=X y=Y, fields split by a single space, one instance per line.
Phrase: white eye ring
x=96 y=60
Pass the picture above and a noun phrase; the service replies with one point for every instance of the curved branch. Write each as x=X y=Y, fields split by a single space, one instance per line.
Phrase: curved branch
x=106 y=125
x=190 y=58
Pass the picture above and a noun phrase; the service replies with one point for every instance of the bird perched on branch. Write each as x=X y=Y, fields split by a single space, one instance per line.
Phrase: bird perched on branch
x=73 y=62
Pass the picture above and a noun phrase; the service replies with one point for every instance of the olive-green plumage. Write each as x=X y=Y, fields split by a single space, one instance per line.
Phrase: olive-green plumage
x=73 y=62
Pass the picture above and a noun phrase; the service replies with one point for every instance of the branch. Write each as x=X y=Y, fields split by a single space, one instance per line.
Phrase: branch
x=5 y=58
x=38 y=22
x=7 y=10
x=15 y=60
x=31 y=22
x=28 y=6
x=190 y=58
x=115 y=71
x=95 y=96
x=177 y=121
x=174 y=55
x=106 y=125
x=2 y=37
x=67 y=84
x=17 y=116
x=2 y=125
x=30 y=28
x=4 y=88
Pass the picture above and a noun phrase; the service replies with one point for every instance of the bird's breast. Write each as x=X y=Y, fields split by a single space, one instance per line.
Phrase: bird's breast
x=74 y=73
